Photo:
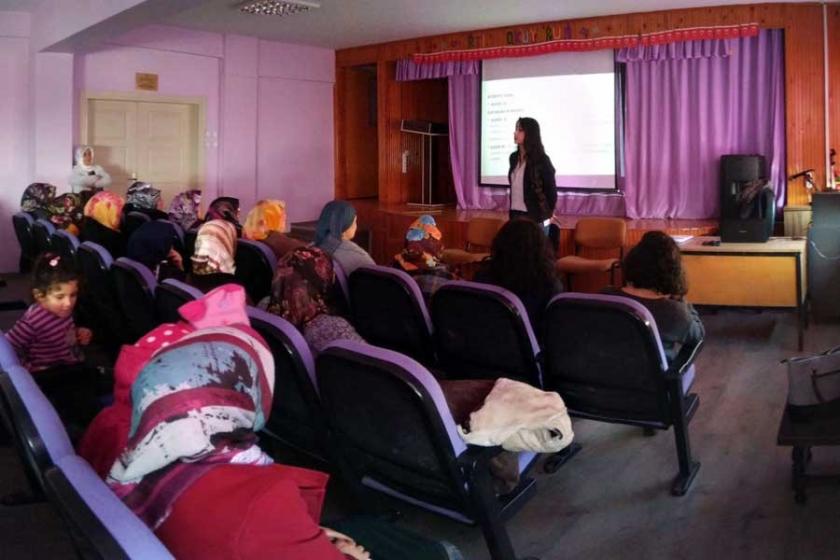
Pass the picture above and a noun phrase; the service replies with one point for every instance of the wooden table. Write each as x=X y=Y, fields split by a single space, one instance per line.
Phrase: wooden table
x=802 y=436
x=765 y=275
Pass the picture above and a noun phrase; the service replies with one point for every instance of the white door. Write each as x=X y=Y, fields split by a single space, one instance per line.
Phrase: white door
x=112 y=130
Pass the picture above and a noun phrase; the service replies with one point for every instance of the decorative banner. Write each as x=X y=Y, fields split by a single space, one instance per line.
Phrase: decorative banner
x=567 y=45
x=148 y=82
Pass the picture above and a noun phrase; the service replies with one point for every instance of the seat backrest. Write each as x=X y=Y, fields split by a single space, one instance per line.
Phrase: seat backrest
x=29 y=416
x=341 y=295
x=189 y=248
x=603 y=355
x=170 y=295
x=601 y=233
x=389 y=311
x=132 y=221
x=102 y=526
x=296 y=415
x=65 y=244
x=42 y=231
x=23 y=223
x=255 y=265
x=390 y=423
x=135 y=287
x=483 y=332
x=482 y=231
x=179 y=232
x=8 y=356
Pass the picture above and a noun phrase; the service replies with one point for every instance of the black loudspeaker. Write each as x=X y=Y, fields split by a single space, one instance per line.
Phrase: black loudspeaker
x=747 y=203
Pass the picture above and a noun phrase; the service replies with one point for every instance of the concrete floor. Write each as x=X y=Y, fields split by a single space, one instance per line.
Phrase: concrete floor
x=613 y=500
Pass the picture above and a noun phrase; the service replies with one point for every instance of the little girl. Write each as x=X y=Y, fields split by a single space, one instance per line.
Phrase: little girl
x=48 y=342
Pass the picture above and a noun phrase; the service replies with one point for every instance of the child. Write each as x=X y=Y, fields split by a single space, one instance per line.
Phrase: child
x=47 y=340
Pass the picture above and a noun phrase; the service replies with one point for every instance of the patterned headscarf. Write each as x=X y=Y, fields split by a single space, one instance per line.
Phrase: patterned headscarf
x=301 y=286
x=215 y=248
x=106 y=208
x=142 y=195
x=335 y=218
x=183 y=209
x=423 y=246
x=37 y=196
x=224 y=208
x=196 y=404
x=265 y=217
x=66 y=212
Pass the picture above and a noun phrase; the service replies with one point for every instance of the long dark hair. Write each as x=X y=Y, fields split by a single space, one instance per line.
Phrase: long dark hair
x=534 y=154
x=656 y=264
x=521 y=259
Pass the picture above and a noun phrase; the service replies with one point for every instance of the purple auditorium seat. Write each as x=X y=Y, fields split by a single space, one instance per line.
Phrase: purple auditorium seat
x=342 y=289
x=100 y=523
x=603 y=355
x=391 y=431
x=170 y=295
x=255 y=265
x=23 y=223
x=8 y=357
x=179 y=231
x=132 y=221
x=97 y=298
x=483 y=332
x=135 y=287
x=42 y=231
x=37 y=430
x=65 y=244
x=389 y=311
x=296 y=417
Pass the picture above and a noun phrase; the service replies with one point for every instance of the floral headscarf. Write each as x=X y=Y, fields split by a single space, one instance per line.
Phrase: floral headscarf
x=37 y=196
x=196 y=404
x=423 y=246
x=215 y=248
x=143 y=196
x=265 y=217
x=106 y=208
x=301 y=286
x=66 y=212
x=224 y=208
x=183 y=209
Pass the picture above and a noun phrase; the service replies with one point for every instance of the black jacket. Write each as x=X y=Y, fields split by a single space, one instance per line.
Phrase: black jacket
x=541 y=195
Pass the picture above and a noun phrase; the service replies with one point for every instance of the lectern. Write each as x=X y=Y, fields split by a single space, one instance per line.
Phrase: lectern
x=429 y=132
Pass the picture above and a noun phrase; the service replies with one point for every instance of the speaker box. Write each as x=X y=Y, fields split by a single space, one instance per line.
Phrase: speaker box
x=735 y=171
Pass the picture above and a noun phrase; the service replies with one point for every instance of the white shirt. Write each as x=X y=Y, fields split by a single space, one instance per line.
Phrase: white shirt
x=517 y=189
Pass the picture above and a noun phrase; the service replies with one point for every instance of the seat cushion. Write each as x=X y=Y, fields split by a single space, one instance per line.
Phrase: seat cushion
x=573 y=264
x=459 y=256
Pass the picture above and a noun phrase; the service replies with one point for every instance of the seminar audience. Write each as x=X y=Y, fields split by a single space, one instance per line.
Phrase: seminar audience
x=103 y=218
x=213 y=259
x=184 y=209
x=153 y=244
x=334 y=234
x=421 y=256
x=265 y=223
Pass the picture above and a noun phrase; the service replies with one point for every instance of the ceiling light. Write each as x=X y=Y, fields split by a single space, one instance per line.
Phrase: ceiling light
x=276 y=7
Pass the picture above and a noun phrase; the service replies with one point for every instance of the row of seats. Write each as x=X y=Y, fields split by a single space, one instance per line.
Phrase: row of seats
x=102 y=526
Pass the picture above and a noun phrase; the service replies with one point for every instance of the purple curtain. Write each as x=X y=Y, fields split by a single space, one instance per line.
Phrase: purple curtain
x=683 y=114
x=408 y=70
x=681 y=50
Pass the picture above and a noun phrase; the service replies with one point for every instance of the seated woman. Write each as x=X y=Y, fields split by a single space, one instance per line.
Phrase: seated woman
x=334 y=234
x=521 y=260
x=265 y=223
x=66 y=212
x=103 y=216
x=301 y=293
x=421 y=256
x=213 y=260
x=183 y=210
x=190 y=445
x=153 y=244
x=225 y=208
x=36 y=200
x=654 y=276
x=144 y=198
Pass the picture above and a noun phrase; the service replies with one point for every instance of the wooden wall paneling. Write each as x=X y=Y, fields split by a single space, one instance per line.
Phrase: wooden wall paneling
x=360 y=134
x=834 y=80
x=339 y=127
x=389 y=104
x=804 y=96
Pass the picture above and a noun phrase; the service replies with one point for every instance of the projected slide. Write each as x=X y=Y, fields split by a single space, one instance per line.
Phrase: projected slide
x=574 y=104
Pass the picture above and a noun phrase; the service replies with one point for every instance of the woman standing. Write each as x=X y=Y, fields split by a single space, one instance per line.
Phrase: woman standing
x=533 y=192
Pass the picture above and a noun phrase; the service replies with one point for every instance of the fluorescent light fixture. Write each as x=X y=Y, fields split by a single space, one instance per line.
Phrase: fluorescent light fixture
x=277 y=7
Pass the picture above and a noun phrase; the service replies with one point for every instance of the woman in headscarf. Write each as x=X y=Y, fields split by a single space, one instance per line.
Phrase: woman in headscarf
x=224 y=208
x=103 y=217
x=421 y=256
x=87 y=175
x=200 y=392
x=265 y=223
x=334 y=234
x=213 y=259
x=183 y=209
x=67 y=212
x=302 y=292
x=153 y=244
x=37 y=198
x=144 y=198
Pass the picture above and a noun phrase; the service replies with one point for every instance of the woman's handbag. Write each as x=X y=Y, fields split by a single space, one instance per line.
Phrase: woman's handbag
x=813 y=382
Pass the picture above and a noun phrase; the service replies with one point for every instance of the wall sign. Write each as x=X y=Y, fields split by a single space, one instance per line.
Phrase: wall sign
x=144 y=81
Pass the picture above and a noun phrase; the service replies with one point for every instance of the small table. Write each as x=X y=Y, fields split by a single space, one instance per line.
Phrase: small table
x=765 y=275
x=802 y=436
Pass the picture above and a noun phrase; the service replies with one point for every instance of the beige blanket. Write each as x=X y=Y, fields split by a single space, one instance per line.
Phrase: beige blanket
x=520 y=417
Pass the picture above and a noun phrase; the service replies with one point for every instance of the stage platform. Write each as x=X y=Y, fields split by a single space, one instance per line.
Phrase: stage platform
x=388 y=224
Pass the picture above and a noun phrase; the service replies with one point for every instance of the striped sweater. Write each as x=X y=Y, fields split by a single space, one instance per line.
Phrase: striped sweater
x=43 y=339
